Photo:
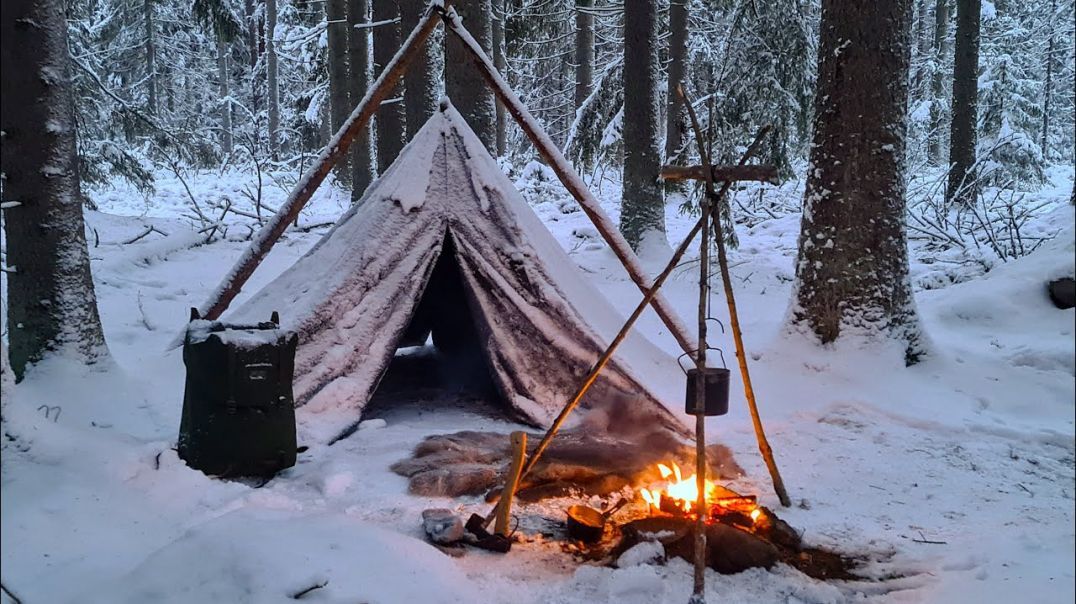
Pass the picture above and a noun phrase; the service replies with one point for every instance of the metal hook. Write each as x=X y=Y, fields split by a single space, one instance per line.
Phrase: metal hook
x=708 y=348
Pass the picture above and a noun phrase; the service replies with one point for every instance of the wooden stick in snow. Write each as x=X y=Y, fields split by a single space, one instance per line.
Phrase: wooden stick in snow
x=734 y=317
x=753 y=172
x=336 y=149
x=570 y=179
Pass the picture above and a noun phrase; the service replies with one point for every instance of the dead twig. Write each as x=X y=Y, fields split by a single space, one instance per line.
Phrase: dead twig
x=10 y=594
x=928 y=541
x=299 y=594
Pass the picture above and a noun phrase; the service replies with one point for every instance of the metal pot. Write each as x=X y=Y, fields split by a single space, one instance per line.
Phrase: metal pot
x=715 y=388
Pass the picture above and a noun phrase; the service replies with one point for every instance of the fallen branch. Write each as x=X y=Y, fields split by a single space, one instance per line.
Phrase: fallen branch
x=754 y=172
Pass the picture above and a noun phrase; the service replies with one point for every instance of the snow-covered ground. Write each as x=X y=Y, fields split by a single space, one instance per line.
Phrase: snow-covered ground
x=956 y=475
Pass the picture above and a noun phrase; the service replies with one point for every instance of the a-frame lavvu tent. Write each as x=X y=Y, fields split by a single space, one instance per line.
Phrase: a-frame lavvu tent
x=443 y=229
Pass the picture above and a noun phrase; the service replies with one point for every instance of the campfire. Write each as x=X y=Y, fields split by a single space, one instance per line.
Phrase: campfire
x=678 y=495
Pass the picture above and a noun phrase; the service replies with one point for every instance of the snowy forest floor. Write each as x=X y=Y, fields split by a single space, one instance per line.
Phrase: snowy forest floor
x=956 y=476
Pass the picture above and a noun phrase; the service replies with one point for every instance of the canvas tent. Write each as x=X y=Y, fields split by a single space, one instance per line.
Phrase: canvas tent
x=443 y=242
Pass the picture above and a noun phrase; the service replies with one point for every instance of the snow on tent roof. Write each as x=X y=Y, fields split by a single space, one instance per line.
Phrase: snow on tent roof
x=540 y=324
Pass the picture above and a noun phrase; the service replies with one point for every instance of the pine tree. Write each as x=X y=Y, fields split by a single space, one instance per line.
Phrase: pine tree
x=390 y=115
x=643 y=205
x=422 y=77
x=339 y=99
x=852 y=269
x=463 y=83
x=937 y=83
x=362 y=172
x=963 y=124
x=51 y=303
x=675 y=120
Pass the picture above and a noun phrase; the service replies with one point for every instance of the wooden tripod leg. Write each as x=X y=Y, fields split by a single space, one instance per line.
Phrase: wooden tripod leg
x=511 y=483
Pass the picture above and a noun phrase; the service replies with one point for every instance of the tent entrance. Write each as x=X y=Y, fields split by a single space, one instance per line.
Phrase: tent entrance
x=440 y=358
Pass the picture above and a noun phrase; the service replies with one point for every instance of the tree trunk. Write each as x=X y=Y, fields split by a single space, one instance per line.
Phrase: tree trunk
x=463 y=83
x=151 y=58
x=225 y=96
x=643 y=204
x=1048 y=86
x=362 y=171
x=420 y=80
x=962 y=134
x=272 y=100
x=339 y=102
x=675 y=125
x=852 y=270
x=922 y=49
x=390 y=116
x=937 y=87
x=501 y=64
x=51 y=304
x=252 y=33
x=584 y=51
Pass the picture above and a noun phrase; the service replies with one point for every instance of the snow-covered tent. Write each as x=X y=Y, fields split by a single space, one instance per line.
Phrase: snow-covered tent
x=443 y=242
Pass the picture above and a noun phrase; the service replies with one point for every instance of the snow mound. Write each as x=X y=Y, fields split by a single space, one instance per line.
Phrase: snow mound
x=271 y=557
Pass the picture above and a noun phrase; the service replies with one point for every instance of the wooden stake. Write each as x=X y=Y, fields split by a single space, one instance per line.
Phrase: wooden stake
x=570 y=179
x=511 y=483
x=734 y=320
x=336 y=149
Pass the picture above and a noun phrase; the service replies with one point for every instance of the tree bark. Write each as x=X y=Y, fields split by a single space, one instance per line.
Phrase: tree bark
x=223 y=69
x=675 y=125
x=390 y=116
x=463 y=83
x=1048 y=85
x=584 y=51
x=937 y=86
x=151 y=58
x=51 y=303
x=500 y=62
x=362 y=171
x=852 y=269
x=272 y=85
x=643 y=204
x=420 y=80
x=962 y=132
x=924 y=30
x=339 y=102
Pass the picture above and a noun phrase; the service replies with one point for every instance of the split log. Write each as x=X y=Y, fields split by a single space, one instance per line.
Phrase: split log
x=755 y=172
x=729 y=550
x=336 y=150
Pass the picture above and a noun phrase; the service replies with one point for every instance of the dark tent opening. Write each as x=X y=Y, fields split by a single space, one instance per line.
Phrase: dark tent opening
x=440 y=356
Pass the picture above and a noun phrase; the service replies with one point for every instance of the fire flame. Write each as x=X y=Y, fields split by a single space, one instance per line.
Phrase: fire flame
x=683 y=493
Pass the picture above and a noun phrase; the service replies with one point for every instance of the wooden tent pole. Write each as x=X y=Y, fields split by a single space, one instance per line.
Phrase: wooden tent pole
x=734 y=319
x=336 y=149
x=570 y=179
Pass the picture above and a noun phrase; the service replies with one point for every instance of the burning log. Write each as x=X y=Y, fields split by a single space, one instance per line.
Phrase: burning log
x=729 y=550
